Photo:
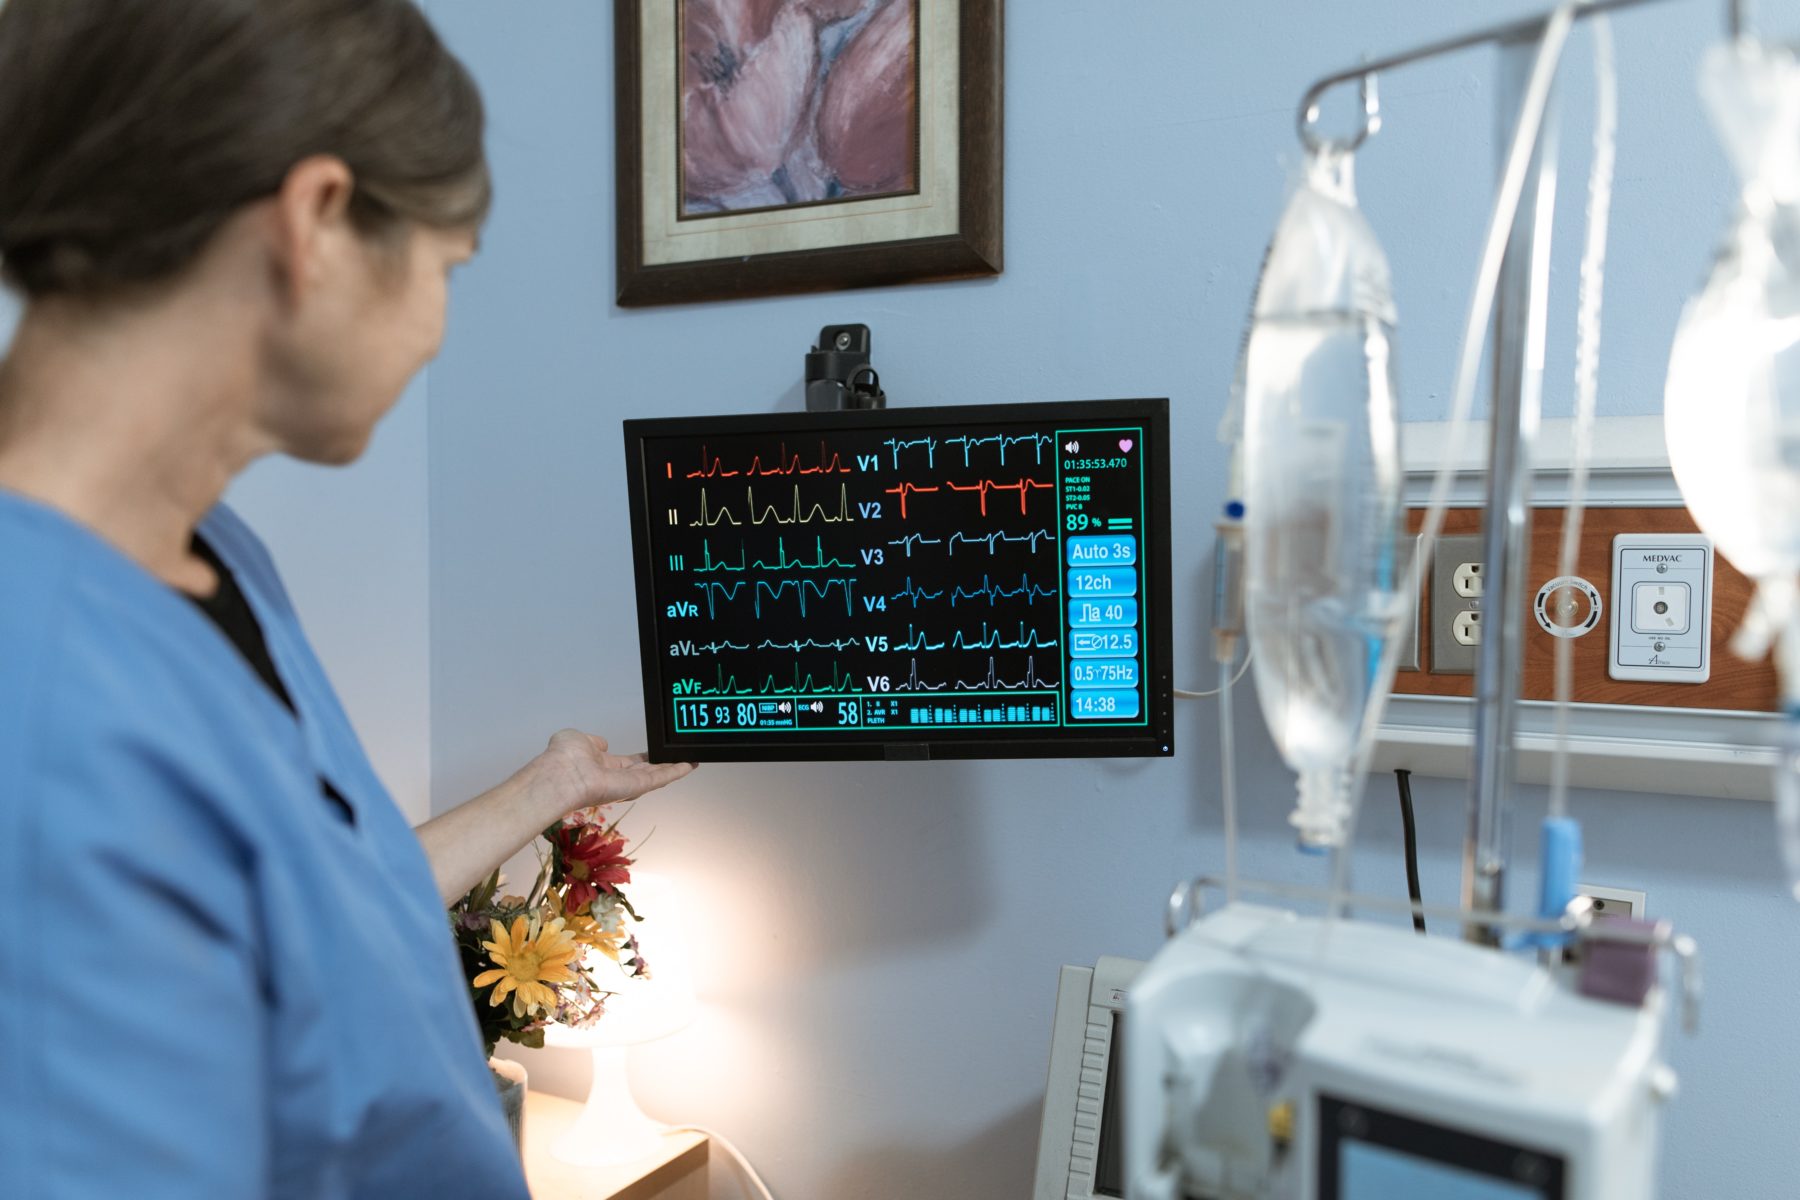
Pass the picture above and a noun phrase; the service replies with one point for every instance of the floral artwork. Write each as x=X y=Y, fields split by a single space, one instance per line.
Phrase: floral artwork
x=788 y=102
x=551 y=955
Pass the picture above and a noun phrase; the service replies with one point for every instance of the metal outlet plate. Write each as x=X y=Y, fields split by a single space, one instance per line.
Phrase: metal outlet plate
x=1448 y=656
x=1614 y=902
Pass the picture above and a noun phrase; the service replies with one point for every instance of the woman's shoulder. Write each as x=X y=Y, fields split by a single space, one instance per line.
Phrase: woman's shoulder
x=95 y=653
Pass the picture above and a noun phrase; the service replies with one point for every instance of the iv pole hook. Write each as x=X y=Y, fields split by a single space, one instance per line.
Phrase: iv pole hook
x=1309 y=117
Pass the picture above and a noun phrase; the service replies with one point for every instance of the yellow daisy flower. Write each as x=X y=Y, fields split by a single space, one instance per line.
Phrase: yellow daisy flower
x=529 y=958
x=589 y=932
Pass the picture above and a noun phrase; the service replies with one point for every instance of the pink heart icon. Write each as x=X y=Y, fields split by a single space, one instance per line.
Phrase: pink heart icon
x=1125 y=445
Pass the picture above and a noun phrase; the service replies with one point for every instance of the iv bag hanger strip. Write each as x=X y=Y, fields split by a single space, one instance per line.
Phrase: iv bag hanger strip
x=1526 y=29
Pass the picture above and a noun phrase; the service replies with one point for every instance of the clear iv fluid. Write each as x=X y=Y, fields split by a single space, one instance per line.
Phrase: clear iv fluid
x=1322 y=483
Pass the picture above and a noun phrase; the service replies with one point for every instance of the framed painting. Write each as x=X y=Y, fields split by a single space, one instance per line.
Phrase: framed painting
x=781 y=146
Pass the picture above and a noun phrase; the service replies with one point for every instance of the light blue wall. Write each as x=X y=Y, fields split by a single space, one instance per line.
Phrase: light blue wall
x=880 y=943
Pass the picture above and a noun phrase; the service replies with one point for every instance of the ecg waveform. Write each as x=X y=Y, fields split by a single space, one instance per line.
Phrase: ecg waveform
x=896 y=445
x=781 y=560
x=712 y=467
x=913 y=541
x=1031 y=539
x=990 y=639
x=715 y=647
x=1003 y=441
x=993 y=682
x=914 y=594
x=903 y=491
x=809 y=644
x=710 y=517
x=1023 y=487
x=800 y=587
x=912 y=682
x=916 y=640
x=994 y=593
x=729 y=685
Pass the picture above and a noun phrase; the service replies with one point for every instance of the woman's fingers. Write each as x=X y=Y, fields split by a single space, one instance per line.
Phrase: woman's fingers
x=644 y=777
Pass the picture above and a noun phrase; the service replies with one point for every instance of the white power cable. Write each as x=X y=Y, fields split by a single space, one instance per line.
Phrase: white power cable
x=737 y=1156
x=1587 y=371
x=1233 y=682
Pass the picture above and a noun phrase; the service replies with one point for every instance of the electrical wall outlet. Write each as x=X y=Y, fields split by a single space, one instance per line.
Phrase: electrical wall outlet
x=1613 y=902
x=1455 y=604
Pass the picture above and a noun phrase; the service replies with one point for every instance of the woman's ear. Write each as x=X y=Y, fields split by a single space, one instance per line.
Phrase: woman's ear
x=311 y=212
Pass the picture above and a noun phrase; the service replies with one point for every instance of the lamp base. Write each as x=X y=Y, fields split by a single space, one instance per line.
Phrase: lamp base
x=611 y=1128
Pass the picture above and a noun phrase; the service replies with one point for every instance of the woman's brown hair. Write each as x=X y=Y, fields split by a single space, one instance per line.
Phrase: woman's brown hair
x=131 y=130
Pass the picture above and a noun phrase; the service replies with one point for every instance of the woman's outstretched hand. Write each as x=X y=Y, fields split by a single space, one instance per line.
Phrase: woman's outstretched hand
x=576 y=770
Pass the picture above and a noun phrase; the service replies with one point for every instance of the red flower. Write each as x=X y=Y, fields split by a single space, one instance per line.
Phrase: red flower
x=594 y=861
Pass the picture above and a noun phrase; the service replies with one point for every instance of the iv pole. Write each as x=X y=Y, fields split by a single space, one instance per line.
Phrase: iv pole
x=1518 y=361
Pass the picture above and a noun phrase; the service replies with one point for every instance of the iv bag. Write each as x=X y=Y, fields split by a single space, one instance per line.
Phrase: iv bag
x=1322 y=485
x=1731 y=407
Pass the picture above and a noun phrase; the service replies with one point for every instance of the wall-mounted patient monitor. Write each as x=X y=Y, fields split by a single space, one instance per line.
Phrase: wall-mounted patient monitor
x=958 y=582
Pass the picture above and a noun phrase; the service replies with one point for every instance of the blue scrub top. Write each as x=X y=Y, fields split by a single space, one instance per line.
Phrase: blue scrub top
x=211 y=984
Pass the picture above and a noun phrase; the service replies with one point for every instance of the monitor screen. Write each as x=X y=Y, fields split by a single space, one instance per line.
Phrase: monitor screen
x=1367 y=1153
x=958 y=582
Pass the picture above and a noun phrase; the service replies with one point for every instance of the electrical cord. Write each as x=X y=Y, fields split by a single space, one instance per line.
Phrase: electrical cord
x=1235 y=679
x=1410 y=832
x=737 y=1156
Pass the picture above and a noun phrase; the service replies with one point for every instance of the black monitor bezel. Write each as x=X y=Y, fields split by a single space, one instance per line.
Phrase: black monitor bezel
x=1155 y=740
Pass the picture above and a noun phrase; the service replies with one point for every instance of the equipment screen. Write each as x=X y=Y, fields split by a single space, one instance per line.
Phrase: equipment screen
x=984 y=581
x=1367 y=1153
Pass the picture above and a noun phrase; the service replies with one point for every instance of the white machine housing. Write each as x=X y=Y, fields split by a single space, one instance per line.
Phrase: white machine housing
x=1079 y=1157
x=1391 y=1067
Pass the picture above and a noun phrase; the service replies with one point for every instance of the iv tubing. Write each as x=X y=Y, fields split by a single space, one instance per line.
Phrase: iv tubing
x=1512 y=185
x=1228 y=778
x=1587 y=367
x=1218 y=691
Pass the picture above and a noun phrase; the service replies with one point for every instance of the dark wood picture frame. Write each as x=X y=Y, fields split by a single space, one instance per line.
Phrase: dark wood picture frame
x=974 y=248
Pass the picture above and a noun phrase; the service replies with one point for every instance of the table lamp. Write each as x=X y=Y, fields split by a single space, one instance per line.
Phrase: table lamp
x=611 y=1128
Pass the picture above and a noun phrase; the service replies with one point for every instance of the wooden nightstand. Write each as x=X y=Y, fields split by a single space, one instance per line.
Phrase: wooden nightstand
x=677 y=1173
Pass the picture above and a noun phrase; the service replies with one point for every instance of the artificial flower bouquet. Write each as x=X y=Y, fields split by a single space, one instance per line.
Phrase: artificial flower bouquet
x=526 y=957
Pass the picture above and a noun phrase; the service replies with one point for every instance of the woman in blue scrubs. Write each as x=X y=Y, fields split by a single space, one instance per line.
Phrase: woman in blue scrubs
x=226 y=970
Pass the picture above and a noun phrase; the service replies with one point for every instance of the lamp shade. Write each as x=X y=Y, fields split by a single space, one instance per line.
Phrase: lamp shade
x=653 y=1006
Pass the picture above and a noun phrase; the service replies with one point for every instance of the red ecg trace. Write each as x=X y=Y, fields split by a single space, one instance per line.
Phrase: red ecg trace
x=905 y=490
x=987 y=485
